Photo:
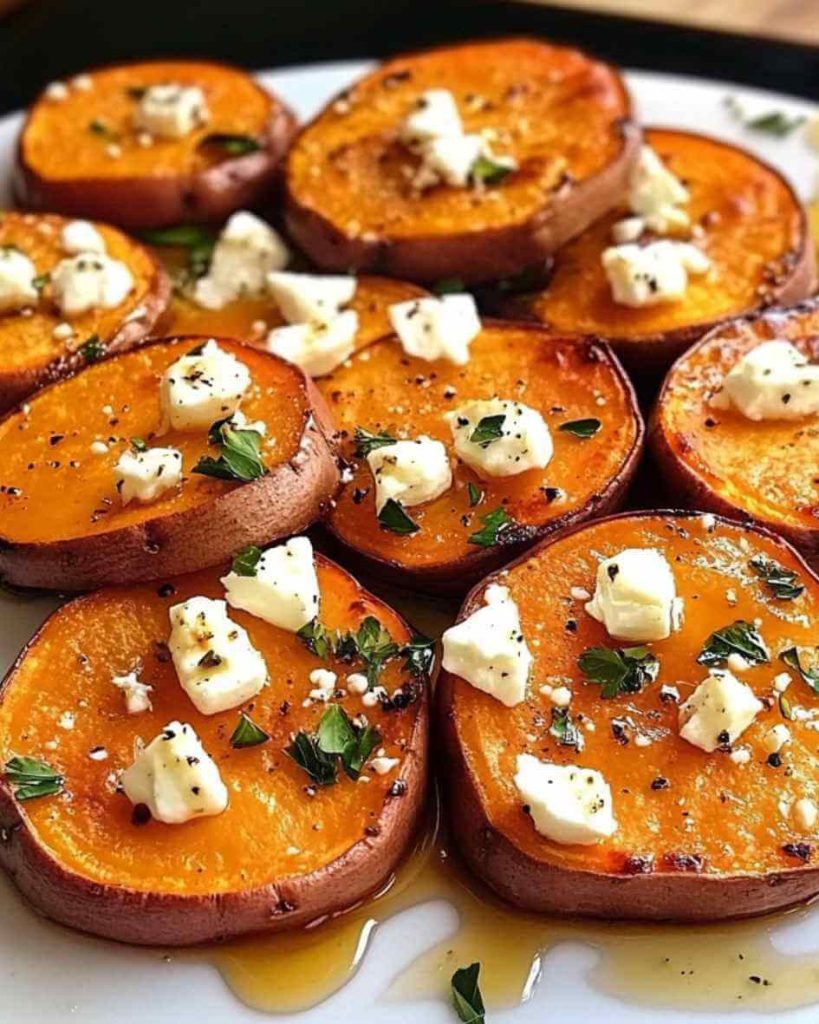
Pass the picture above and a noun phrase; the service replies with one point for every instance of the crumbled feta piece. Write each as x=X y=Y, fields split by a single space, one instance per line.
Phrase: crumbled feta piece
x=17 y=276
x=435 y=115
x=62 y=332
x=775 y=738
x=324 y=683
x=627 y=230
x=656 y=194
x=437 y=328
x=509 y=437
x=144 y=476
x=450 y=159
x=410 y=472
x=741 y=755
x=805 y=814
x=636 y=597
x=246 y=251
x=561 y=696
x=98 y=754
x=57 y=91
x=175 y=777
x=488 y=649
x=238 y=421
x=171 y=111
x=310 y=298
x=717 y=712
x=383 y=765
x=316 y=348
x=218 y=666
x=669 y=693
x=135 y=692
x=79 y=236
x=357 y=683
x=782 y=682
x=90 y=280
x=773 y=381
x=647 y=275
x=736 y=663
x=67 y=720
x=202 y=387
x=284 y=589
x=568 y=804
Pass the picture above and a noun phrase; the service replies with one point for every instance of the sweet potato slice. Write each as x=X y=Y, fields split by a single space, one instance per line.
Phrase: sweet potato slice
x=30 y=353
x=564 y=117
x=81 y=154
x=249 y=320
x=753 y=227
x=67 y=441
x=700 y=836
x=718 y=459
x=565 y=379
x=280 y=856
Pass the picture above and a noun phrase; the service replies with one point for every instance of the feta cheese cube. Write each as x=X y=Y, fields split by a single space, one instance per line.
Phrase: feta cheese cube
x=636 y=597
x=79 y=236
x=410 y=472
x=437 y=328
x=805 y=814
x=310 y=298
x=218 y=666
x=435 y=115
x=17 y=274
x=776 y=737
x=135 y=692
x=284 y=589
x=488 y=649
x=568 y=804
x=246 y=251
x=718 y=711
x=171 y=111
x=202 y=387
x=521 y=440
x=627 y=230
x=316 y=348
x=656 y=194
x=773 y=381
x=144 y=476
x=175 y=777
x=450 y=159
x=90 y=280
x=648 y=275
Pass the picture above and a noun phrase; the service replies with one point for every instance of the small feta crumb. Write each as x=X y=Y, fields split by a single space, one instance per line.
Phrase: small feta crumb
x=316 y=348
x=441 y=328
x=357 y=683
x=410 y=472
x=99 y=447
x=561 y=696
x=62 y=332
x=246 y=251
x=805 y=814
x=373 y=697
x=144 y=476
x=66 y=720
x=568 y=804
x=580 y=594
x=17 y=276
x=56 y=91
x=773 y=381
x=135 y=692
x=647 y=275
x=709 y=522
x=776 y=738
x=171 y=111
x=718 y=712
x=736 y=663
x=384 y=765
x=202 y=387
x=98 y=754
x=434 y=115
x=518 y=441
x=83 y=83
x=113 y=150
x=636 y=596
x=79 y=236
x=324 y=684
x=670 y=693
x=740 y=755
x=656 y=194
x=627 y=230
x=90 y=281
x=283 y=588
x=782 y=682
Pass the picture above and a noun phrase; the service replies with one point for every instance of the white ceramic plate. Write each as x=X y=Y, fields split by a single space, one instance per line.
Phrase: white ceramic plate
x=50 y=975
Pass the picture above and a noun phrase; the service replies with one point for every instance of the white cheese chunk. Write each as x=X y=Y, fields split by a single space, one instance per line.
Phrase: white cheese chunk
x=805 y=814
x=218 y=666
x=239 y=421
x=135 y=692
x=410 y=472
x=284 y=590
x=435 y=115
x=648 y=275
x=488 y=649
x=656 y=194
x=316 y=348
x=718 y=712
x=202 y=387
x=776 y=737
x=81 y=236
x=627 y=230
x=246 y=251
x=175 y=777
x=171 y=111
x=144 y=476
x=524 y=442
x=90 y=280
x=310 y=298
x=636 y=597
x=450 y=159
x=568 y=804
x=324 y=684
x=17 y=275
x=437 y=328
x=773 y=381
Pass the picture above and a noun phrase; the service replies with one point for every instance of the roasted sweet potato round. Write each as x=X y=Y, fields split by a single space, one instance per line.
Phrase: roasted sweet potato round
x=280 y=856
x=564 y=118
x=383 y=390
x=699 y=836
x=754 y=230
x=34 y=349
x=62 y=523
x=716 y=458
x=80 y=152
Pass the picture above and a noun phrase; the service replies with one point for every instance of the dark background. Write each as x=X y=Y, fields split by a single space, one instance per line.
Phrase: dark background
x=48 y=39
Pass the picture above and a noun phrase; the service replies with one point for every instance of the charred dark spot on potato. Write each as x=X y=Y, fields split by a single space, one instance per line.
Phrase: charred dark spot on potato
x=690 y=862
x=638 y=864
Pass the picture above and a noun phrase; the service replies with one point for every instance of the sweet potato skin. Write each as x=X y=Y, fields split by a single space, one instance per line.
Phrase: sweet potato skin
x=686 y=473
x=534 y=884
x=207 y=193
x=753 y=226
x=170 y=918
x=463 y=238
x=285 y=501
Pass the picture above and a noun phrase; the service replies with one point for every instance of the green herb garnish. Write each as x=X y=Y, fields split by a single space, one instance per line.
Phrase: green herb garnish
x=466 y=995
x=476 y=495
x=419 y=656
x=240 y=453
x=583 y=429
x=92 y=350
x=487 y=171
x=247 y=733
x=793 y=660
x=785 y=707
x=625 y=670
x=393 y=517
x=306 y=752
x=138 y=444
x=198 y=241
x=337 y=739
x=775 y=122
x=739 y=638
x=32 y=778
x=365 y=442
x=489 y=429
x=41 y=281
x=495 y=523
x=316 y=638
x=781 y=581
x=136 y=92
x=374 y=646
x=564 y=729
x=245 y=561
x=235 y=145
x=97 y=127
x=449 y=286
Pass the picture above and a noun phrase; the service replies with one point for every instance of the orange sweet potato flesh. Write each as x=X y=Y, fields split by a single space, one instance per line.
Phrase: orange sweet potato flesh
x=709 y=843
x=278 y=857
x=88 y=538
x=65 y=165
x=30 y=355
x=564 y=117
x=718 y=459
x=753 y=228
x=249 y=320
x=384 y=390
